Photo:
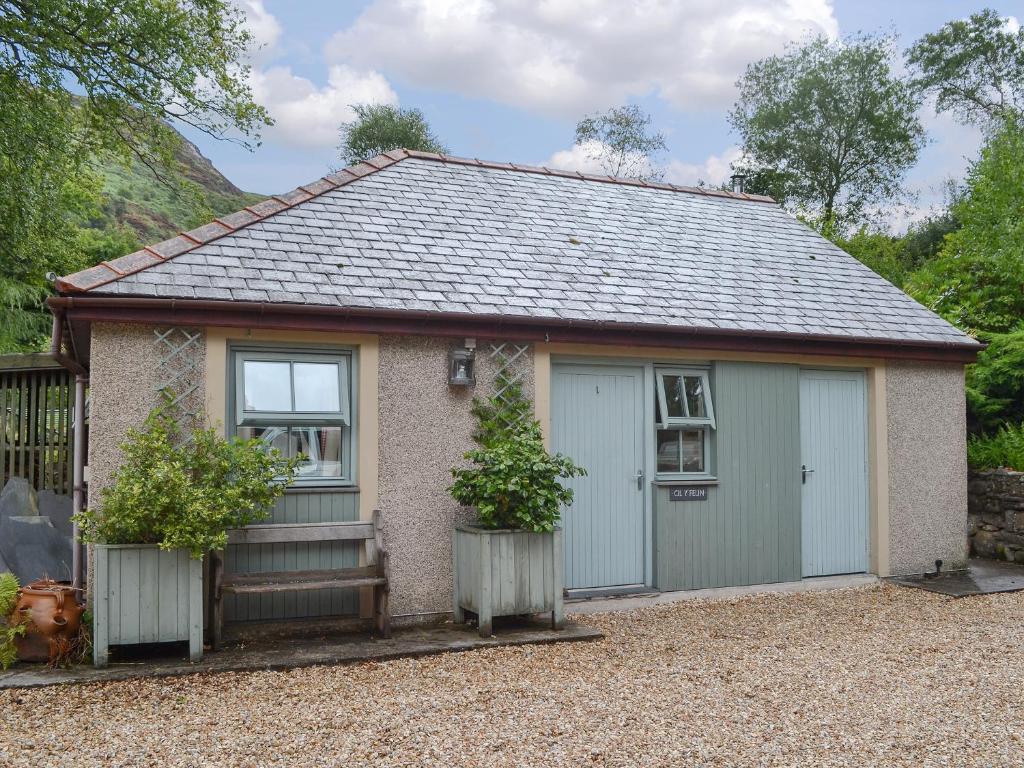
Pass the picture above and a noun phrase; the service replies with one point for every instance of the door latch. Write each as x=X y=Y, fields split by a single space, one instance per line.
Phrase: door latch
x=804 y=472
x=639 y=479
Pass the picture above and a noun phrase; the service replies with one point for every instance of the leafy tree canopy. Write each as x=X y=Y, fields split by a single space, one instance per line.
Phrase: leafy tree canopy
x=86 y=78
x=380 y=128
x=830 y=127
x=974 y=67
x=977 y=279
x=622 y=143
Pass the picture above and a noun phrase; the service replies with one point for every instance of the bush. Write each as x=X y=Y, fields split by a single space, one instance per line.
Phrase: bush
x=995 y=384
x=186 y=493
x=514 y=480
x=11 y=626
x=1004 y=448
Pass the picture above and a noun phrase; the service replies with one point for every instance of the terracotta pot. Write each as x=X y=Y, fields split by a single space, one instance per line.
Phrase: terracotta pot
x=54 y=617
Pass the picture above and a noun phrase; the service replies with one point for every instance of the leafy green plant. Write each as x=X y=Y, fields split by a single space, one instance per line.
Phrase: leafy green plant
x=186 y=493
x=1004 y=448
x=977 y=279
x=513 y=481
x=995 y=383
x=11 y=625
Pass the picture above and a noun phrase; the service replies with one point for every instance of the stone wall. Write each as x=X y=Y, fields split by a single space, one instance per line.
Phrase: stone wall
x=996 y=515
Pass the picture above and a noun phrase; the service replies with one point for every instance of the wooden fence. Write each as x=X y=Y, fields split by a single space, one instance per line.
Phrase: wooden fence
x=36 y=406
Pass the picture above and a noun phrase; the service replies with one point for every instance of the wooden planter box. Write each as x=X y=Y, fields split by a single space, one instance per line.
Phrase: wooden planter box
x=507 y=573
x=143 y=594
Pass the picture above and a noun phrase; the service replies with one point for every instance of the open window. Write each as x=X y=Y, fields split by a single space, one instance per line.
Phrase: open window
x=685 y=417
x=299 y=403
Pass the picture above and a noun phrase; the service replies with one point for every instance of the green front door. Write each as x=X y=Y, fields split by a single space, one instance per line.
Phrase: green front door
x=597 y=420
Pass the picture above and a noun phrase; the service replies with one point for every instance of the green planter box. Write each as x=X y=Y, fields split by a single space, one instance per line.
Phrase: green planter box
x=507 y=573
x=143 y=594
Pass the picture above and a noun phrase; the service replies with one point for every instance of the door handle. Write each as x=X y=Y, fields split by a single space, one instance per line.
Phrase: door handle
x=804 y=472
x=639 y=479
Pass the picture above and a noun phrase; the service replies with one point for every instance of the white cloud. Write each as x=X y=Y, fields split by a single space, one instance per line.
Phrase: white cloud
x=307 y=115
x=715 y=170
x=577 y=158
x=567 y=57
x=264 y=28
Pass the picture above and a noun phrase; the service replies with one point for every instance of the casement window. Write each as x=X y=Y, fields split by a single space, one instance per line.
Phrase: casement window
x=684 y=418
x=298 y=402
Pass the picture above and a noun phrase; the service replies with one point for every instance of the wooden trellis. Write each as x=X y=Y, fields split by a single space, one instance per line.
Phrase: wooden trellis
x=179 y=372
x=36 y=407
x=509 y=359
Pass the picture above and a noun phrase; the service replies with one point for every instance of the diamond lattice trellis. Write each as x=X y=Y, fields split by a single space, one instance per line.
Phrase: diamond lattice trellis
x=509 y=360
x=179 y=372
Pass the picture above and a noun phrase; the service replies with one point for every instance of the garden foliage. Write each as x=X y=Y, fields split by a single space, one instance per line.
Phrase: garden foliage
x=513 y=481
x=186 y=493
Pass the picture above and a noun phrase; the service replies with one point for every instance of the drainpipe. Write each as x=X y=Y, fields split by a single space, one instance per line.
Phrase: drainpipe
x=78 y=475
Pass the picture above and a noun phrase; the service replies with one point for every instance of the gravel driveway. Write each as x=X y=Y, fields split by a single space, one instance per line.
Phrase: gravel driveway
x=875 y=676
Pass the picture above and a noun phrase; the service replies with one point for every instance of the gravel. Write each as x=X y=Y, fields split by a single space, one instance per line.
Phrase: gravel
x=875 y=676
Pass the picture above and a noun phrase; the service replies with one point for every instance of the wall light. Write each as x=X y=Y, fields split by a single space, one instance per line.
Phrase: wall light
x=460 y=365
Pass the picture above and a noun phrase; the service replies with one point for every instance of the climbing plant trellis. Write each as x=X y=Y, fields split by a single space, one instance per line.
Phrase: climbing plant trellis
x=510 y=367
x=179 y=372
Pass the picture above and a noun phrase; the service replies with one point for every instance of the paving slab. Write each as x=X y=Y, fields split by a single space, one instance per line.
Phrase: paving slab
x=982 y=577
x=282 y=648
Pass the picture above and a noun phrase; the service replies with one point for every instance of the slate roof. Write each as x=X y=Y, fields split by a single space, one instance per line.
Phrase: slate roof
x=417 y=231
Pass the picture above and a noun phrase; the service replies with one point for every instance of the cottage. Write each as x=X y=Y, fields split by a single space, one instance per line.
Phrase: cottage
x=753 y=405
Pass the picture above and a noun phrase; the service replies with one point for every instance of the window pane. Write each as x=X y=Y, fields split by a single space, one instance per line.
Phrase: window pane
x=695 y=397
x=316 y=387
x=323 y=449
x=274 y=437
x=267 y=386
x=674 y=396
x=668 y=450
x=693 y=450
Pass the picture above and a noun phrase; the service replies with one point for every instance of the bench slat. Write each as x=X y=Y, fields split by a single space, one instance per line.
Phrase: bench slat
x=283 y=533
x=285 y=581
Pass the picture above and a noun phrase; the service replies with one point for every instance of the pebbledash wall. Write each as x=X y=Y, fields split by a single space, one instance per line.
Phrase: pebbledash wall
x=927 y=427
x=413 y=427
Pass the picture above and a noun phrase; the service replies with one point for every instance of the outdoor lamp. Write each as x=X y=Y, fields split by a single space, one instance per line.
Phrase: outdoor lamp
x=460 y=365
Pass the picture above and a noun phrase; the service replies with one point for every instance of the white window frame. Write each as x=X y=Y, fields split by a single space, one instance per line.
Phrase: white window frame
x=705 y=424
x=668 y=422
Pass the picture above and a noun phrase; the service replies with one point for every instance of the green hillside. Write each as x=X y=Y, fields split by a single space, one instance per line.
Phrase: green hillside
x=156 y=210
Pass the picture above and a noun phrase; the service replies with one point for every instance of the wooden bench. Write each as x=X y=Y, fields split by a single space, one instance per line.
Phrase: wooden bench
x=375 y=573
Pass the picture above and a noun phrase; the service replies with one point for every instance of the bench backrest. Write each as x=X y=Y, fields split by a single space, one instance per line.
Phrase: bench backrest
x=286 y=533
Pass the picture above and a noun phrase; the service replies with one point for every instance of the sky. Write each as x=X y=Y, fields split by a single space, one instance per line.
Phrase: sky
x=507 y=80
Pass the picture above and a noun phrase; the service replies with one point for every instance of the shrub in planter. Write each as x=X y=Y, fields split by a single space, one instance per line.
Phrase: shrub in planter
x=173 y=499
x=510 y=561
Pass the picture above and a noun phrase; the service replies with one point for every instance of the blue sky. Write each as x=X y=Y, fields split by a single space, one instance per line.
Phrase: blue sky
x=508 y=79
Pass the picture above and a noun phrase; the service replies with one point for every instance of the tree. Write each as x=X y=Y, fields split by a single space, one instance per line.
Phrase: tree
x=621 y=142
x=879 y=251
x=974 y=68
x=380 y=128
x=80 y=79
x=831 y=121
x=977 y=279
